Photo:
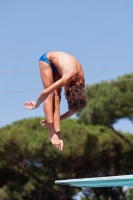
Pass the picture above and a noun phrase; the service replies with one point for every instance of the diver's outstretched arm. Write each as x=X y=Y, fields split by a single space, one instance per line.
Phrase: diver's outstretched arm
x=67 y=114
x=44 y=94
x=62 y=117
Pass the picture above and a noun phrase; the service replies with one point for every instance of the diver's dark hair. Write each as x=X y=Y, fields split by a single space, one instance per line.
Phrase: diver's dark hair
x=76 y=98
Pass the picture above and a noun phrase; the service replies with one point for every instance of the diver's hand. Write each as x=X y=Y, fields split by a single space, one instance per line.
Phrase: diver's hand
x=44 y=123
x=30 y=105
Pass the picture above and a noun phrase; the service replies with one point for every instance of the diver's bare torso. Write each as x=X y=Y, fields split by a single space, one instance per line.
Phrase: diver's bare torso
x=67 y=65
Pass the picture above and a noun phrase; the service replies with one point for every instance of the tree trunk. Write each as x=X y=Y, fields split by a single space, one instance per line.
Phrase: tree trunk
x=122 y=137
x=39 y=181
x=122 y=193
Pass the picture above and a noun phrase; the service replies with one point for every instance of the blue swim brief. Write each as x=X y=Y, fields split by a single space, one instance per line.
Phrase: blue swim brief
x=44 y=59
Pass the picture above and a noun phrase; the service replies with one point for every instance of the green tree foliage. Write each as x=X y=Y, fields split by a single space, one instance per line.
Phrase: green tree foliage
x=29 y=164
x=129 y=194
x=109 y=102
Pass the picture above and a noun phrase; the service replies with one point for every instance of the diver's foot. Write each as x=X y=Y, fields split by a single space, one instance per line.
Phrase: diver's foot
x=61 y=140
x=55 y=141
x=44 y=123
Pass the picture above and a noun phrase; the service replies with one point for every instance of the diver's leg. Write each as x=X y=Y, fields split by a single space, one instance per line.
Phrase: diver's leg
x=56 y=110
x=57 y=100
x=47 y=79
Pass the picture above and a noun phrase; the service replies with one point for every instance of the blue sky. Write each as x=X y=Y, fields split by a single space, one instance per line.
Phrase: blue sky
x=97 y=33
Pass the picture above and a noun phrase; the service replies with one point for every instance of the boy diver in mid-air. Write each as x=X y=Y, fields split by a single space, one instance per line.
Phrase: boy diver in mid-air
x=59 y=69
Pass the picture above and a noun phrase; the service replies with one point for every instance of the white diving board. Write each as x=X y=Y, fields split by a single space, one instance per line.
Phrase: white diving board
x=110 y=181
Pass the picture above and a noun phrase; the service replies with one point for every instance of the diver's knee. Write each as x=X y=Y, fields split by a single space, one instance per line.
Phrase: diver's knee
x=50 y=97
x=57 y=98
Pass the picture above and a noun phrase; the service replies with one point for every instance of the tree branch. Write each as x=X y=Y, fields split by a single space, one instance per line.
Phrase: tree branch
x=40 y=182
x=122 y=137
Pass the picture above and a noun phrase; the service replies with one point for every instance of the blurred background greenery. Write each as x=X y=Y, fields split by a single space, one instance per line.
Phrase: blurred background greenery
x=29 y=164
